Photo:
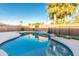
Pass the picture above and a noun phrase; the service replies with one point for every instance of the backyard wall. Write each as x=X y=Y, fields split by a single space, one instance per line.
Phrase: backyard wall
x=9 y=28
x=66 y=29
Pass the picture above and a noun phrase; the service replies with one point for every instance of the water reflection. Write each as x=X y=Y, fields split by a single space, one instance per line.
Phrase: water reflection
x=41 y=38
x=57 y=49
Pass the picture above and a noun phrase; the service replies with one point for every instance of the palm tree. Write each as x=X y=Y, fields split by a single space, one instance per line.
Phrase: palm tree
x=21 y=22
x=22 y=28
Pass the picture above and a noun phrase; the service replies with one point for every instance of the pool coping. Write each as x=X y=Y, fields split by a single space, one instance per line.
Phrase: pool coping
x=9 y=40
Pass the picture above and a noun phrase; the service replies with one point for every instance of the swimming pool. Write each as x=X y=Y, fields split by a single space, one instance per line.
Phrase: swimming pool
x=34 y=44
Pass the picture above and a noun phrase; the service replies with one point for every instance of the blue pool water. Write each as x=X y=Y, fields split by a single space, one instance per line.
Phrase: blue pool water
x=25 y=46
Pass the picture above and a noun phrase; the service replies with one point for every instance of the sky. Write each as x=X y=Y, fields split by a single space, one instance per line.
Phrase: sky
x=13 y=13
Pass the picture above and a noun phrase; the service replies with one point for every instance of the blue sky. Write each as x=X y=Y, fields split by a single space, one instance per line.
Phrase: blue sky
x=28 y=13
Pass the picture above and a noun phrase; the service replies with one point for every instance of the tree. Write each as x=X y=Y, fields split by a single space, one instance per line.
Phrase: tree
x=22 y=28
x=37 y=25
x=61 y=10
x=77 y=19
x=21 y=22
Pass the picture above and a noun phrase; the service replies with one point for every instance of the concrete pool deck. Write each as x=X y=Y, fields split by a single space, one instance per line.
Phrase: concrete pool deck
x=4 y=36
x=71 y=43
